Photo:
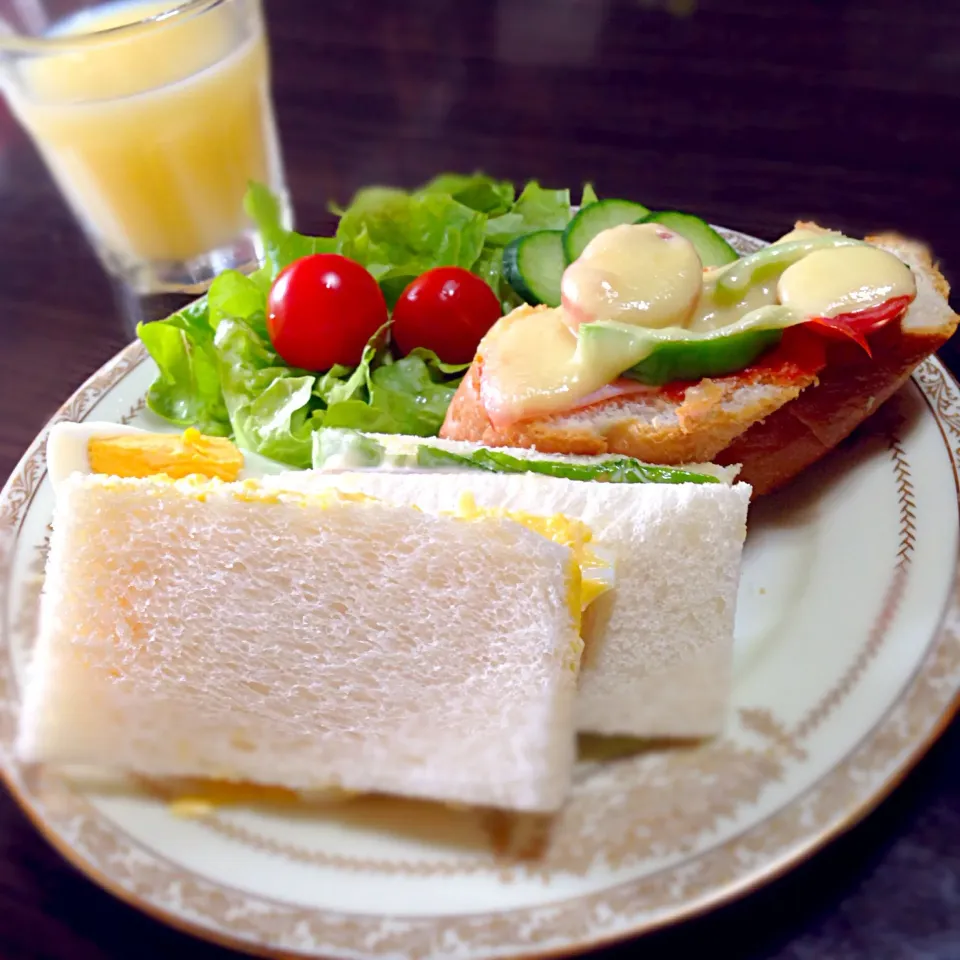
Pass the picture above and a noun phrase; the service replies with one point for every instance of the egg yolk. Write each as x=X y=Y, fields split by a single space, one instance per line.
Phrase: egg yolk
x=150 y=454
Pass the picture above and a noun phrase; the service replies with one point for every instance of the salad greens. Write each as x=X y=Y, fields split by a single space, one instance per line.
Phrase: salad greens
x=218 y=370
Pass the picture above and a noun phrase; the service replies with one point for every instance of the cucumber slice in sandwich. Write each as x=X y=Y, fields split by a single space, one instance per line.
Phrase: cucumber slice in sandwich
x=337 y=450
x=712 y=249
x=596 y=218
x=610 y=469
x=533 y=265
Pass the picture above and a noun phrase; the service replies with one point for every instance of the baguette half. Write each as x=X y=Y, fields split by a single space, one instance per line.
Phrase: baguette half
x=773 y=426
x=656 y=427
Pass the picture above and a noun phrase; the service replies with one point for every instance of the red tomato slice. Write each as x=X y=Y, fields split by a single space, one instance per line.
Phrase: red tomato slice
x=857 y=324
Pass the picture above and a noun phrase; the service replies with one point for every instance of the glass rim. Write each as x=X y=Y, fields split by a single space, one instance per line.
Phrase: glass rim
x=18 y=43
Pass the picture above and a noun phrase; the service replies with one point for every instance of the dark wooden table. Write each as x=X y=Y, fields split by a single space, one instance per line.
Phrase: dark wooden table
x=749 y=113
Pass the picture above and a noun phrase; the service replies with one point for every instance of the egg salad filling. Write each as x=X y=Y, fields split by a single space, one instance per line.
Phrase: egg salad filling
x=592 y=570
x=176 y=456
x=195 y=799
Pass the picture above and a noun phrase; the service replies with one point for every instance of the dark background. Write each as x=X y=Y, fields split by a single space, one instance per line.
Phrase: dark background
x=749 y=113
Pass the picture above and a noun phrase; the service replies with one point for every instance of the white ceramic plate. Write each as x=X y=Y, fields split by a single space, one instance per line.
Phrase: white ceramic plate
x=847 y=667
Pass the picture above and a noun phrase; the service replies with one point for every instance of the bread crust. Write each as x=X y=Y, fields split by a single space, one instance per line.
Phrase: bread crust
x=664 y=429
x=851 y=388
x=774 y=437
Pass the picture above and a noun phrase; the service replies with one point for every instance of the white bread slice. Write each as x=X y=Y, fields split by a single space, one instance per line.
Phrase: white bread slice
x=204 y=630
x=659 y=646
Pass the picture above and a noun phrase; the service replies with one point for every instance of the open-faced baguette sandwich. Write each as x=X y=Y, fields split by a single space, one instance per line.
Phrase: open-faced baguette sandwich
x=767 y=362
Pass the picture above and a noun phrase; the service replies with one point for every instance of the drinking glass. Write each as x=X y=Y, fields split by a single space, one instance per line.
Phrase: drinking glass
x=152 y=117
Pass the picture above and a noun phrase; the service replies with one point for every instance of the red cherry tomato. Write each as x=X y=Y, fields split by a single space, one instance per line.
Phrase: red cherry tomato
x=322 y=310
x=447 y=310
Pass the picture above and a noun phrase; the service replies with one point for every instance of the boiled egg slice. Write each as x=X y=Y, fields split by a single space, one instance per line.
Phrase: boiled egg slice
x=124 y=451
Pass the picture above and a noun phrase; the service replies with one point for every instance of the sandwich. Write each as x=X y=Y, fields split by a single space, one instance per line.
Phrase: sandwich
x=659 y=645
x=767 y=362
x=239 y=632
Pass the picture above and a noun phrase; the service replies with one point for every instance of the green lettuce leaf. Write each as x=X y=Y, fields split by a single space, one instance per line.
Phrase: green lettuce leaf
x=408 y=396
x=613 y=470
x=543 y=209
x=339 y=383
x=232 y=294
x=275 y=410
x=281 y=246
x=408 y=392
x=536 y=209
x=397 y=236
x=436 y=365
x=589 y=196
x=476 y=191
x=187 y=390
x=269 y=403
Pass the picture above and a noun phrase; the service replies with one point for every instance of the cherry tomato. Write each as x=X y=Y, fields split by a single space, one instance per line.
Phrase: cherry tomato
x=322 y=310
x=447 y=310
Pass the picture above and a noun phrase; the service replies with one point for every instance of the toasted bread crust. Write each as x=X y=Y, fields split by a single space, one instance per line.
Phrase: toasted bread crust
x=851 y=388
x=687 y=429
x=773 y=434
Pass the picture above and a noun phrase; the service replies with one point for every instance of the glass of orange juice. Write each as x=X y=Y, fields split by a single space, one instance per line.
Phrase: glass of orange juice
x=152 y=117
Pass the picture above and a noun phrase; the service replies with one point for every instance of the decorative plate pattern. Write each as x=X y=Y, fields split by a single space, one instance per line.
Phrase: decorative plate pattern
x=847 y=667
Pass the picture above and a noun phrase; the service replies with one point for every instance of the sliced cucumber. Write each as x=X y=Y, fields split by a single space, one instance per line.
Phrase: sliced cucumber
x=712 y=249
x=594 y=219
x=533 y=265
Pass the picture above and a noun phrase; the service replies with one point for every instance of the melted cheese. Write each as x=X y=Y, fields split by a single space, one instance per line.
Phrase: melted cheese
x=529 y=359
x=711 y=315
x=604 y=283
x=841 y=280
x=530 y=366
x=645 y=276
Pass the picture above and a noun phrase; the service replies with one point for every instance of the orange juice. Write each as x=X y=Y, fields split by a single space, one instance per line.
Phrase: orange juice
x=154 y=132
